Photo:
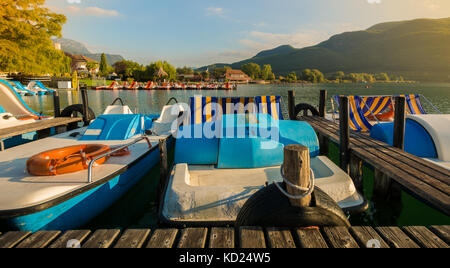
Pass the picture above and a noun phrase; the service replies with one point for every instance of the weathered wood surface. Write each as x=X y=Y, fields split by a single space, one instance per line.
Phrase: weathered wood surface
x=73 y=236
x=248 y=237
x=427 y=181
x=311 y=238
x=396 y=238
x=40 y=239
x=252 y=237
x=424 y=237
x=11 y=239
x=40 y=125
x=280 y=238
x=133 y=238
x=221 y=238
x=339 y=237
x=102 y=239
x=163 y=238
x=193 y=238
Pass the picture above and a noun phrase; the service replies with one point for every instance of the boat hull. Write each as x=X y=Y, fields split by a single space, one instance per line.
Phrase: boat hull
x=80 y=208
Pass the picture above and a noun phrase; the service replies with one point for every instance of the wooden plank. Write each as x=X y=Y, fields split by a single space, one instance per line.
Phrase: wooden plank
x=424 y=237
x=163 y=238
x=221 y=238
x=40 y=125
x=366 y=237
x=102 y=239
x=311 y=238
x=443 y=232
x=193 y=238
x=432 y=195
x=40 y=239
x=251 y=237
x=339 y=237
x=72 y=236
x=11 y=239
x=133 y=238
x=280 y=238
x=396 y=238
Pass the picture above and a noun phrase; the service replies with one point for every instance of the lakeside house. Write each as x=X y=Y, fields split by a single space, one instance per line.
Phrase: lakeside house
x=190 y=77
x=237 y=76
x=79 y=64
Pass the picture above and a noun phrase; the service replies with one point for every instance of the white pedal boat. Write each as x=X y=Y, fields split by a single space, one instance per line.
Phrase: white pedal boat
x=67 y=201
x=202 y=191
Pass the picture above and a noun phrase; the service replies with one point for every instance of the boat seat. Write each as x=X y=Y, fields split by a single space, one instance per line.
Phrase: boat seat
x=205 y=193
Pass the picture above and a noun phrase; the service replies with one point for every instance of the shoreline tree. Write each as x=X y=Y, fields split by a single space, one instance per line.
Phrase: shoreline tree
x=26 y=29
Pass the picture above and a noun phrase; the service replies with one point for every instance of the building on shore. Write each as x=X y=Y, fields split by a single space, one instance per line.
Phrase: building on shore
x=80 y=64
x=237 y=76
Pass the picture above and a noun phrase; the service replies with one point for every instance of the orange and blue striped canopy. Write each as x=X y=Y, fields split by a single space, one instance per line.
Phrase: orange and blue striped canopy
x=209 y=109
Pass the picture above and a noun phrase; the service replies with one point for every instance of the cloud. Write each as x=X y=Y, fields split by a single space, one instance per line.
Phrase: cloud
x=74 y=1
x=257 y=40
x=374 y=1
x=85 y=11
x=210 y=11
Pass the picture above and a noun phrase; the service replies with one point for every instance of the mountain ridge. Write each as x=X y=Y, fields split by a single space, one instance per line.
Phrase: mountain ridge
x=416 y=49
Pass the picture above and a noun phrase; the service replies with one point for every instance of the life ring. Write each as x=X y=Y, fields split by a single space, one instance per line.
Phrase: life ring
x=66 y=160
x=389 y=114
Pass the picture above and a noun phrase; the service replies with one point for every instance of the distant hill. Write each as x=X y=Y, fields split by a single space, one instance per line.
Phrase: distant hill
x=77 y=48
x=417 y=49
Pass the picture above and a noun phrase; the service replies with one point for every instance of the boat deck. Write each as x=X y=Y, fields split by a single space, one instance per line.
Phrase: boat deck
x=19 y=190
x=245 y=237
x=427 y=181
x=35 y=126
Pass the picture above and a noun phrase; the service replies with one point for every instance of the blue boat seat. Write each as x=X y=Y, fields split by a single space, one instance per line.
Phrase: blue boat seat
x=117 y=127
x=240 y=142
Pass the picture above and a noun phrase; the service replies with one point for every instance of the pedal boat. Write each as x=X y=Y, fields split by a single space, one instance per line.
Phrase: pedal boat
x=63 y=202
x=213 y=177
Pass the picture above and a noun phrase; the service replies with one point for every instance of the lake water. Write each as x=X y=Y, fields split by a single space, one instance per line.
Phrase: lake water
x=137 y=208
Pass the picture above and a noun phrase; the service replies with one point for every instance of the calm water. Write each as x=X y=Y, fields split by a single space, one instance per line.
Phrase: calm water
x=137 y=208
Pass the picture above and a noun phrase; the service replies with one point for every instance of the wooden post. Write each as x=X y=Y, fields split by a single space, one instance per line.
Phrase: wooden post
x=163 y=157
x=56 y=104
x=291 y=104
x=399 y=123
x=297 y=170
x=322 y=103
x=356 y=172
x=84 y=98
x=344 y=131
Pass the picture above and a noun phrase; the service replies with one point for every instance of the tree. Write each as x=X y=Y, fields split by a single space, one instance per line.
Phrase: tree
x=205 y=74
x=253 y=70
x=219 y=72
x=338 y=76
x=292 y=77
x=266 y=73
x=127 y=69
x=382 y=77
x=26 y=29
x=313 y=76
x=185 y=70
x=103 y=65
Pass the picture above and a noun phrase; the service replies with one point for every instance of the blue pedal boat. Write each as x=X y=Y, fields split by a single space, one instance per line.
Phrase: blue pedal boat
x=224 y=157
x=63 y=202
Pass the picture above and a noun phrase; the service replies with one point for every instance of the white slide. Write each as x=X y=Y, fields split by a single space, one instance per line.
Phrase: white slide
x=11 y=102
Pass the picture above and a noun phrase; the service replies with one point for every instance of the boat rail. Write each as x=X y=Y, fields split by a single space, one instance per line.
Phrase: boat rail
x=115 y=150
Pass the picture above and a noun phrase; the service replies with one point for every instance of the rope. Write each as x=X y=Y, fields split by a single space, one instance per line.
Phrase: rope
x=308 y=191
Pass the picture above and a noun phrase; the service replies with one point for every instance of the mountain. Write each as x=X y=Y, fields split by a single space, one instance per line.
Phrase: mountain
x=416 y=49
x=77 y=48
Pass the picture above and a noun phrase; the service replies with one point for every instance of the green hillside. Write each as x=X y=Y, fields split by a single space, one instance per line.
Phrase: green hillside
x=417 y=49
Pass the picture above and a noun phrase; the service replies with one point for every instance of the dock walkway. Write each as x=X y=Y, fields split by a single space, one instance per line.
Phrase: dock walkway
x=245 y=237
x=41 y=125
x=425 y=180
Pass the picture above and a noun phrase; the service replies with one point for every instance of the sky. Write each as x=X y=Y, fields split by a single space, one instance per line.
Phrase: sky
x=195 y=33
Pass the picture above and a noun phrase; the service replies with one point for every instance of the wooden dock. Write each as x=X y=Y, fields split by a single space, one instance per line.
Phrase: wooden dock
x=424 y=180
x=42 y=127
x=245 y=237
